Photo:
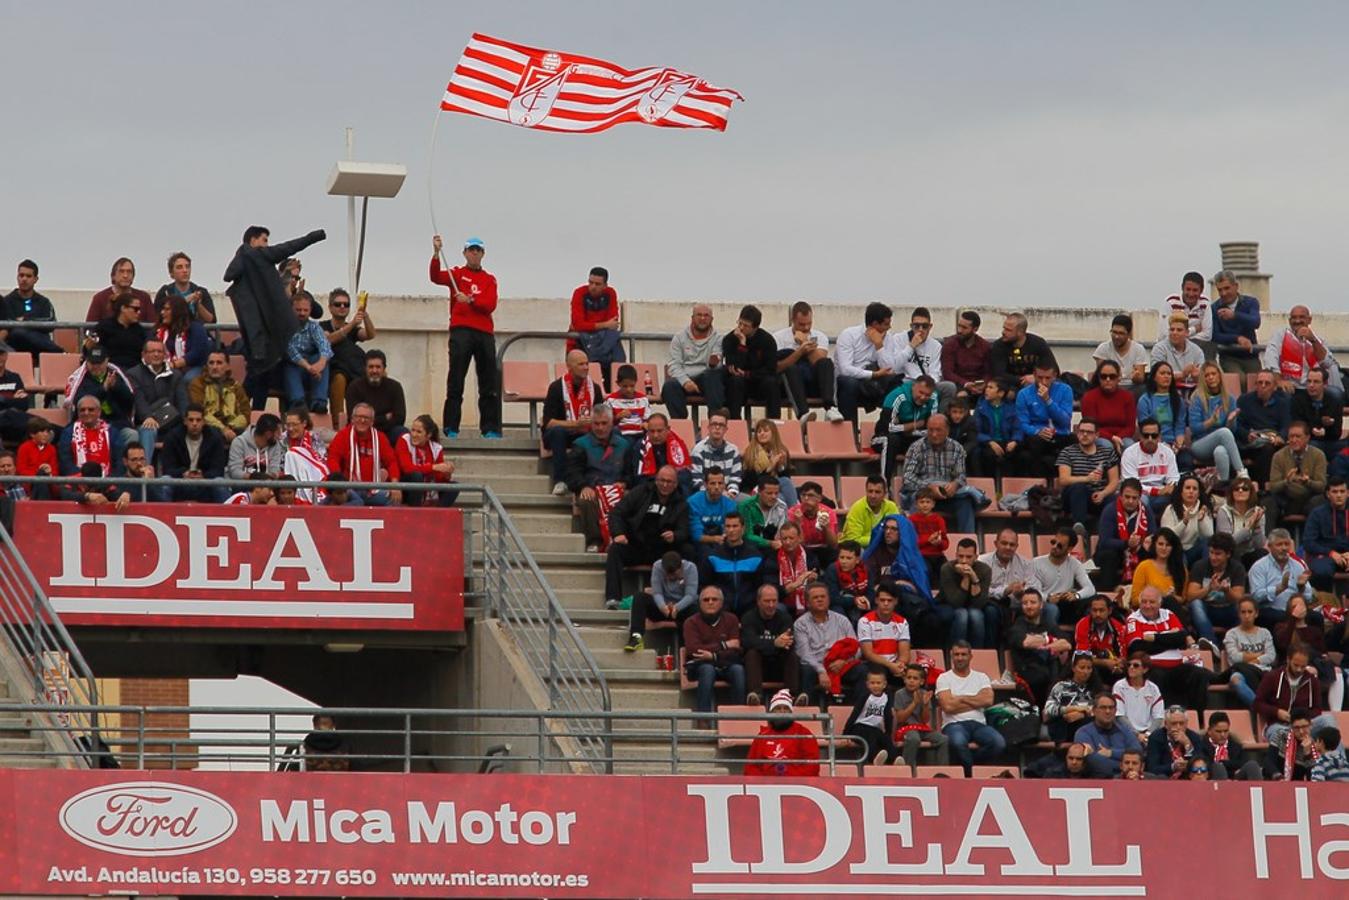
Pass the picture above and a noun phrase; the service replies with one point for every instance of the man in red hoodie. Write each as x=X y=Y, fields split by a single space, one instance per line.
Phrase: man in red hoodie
x=784 y=748
x=473 y=299
x=1291 y=686
x=359 y=452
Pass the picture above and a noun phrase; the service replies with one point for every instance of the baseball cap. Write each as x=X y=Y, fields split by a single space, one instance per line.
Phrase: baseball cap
x=475 y=242
x=96 y=353
x=782 y=699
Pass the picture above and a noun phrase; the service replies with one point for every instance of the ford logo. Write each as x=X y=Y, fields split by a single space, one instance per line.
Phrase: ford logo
x=147 y=818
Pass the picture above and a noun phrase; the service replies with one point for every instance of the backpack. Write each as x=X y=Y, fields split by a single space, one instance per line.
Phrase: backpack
x=1017 y=720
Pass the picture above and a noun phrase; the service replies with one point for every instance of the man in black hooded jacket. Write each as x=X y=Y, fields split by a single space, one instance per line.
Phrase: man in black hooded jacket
x=261 y=306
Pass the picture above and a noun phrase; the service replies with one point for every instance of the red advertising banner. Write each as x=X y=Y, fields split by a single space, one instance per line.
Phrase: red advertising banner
x=189 y=565
x=674 y=838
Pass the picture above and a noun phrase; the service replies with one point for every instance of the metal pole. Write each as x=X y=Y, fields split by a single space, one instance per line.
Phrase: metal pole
x=351 y=223
x=407 y=743
x=271 y=742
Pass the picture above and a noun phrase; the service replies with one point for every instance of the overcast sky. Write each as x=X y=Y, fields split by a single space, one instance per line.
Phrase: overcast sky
x=1011 y=153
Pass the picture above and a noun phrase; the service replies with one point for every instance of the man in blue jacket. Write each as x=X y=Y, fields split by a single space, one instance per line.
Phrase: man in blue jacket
x=1106 y=738
x=1236 y=316
x=737 y=567
x=1325 y=538
x=1044 y=414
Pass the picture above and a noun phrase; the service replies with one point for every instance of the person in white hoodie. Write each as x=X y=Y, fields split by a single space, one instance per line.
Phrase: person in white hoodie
x=694 y=366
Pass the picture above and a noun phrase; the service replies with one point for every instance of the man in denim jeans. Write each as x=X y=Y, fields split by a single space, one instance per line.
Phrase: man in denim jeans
x=963 y=695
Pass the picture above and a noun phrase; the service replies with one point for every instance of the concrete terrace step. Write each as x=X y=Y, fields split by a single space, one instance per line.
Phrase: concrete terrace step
x=590 y=579
x=488 y=468
x=559 y=522
x=579 y=559
x=650 y=751
x=518 y=482
x=590 y=613
x=10 y=745
x=513 y=441
x=543 y=543
x=609 y=639
x=632 y=768
x=646 y=698
x=22 y=762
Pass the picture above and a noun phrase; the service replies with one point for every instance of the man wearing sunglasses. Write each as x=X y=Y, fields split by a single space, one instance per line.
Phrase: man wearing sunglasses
x=918 y=353
x=1153 y=463
x=345 y=332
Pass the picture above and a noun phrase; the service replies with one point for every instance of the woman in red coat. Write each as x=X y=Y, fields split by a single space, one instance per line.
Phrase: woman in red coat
x=421 y=459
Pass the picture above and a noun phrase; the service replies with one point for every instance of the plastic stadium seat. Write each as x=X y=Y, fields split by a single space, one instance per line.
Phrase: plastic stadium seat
x=68 y=339
x=21 y=364
x=684 y=428
x=1023 y=544
x=57 y=415
x=940 y=772
x=1232 y=383
x=791 y=438
x=954 y=538
x=865 y=432
x=994 y=772
x=525 y=382
x=899 y=771
x=832 y=441
x=987 y=661
x=643 y=371
x=737 y=432
x=238 y=368
x=54 y=369
x=851 y=489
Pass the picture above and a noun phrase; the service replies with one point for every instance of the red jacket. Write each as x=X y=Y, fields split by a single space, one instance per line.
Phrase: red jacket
x=790 y=753
x=926 y=526
x=30 y=457
x=362 y=468
x=481 y=285
x=585 y=319
x=1107 y=646
x=1116 y=414
x=1276 y=693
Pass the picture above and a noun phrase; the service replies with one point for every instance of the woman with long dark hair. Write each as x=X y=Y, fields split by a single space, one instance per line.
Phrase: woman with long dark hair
x=1190 y=516
x=186 y=344
x=421 y=460
x=1162 y=401
x=1164 y=570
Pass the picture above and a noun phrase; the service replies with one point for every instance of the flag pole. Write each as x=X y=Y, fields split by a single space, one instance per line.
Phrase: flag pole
x=430 y=184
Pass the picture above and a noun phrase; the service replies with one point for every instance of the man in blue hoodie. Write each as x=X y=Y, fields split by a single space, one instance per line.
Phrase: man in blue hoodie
x=708 y=509
x=1236 y=316
x=1325 y=537
x=736 y=566
x=1044 y=411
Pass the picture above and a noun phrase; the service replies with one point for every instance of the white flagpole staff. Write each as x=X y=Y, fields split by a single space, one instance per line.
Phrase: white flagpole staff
x=430 y=192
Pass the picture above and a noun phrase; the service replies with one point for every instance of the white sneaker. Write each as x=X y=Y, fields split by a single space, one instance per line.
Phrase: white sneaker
x=1007 y=677
x=833 y=415
x=1242 y=473
x=560 y=489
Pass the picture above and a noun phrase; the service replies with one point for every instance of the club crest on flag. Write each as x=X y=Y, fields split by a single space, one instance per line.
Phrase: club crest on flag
x=669 y=90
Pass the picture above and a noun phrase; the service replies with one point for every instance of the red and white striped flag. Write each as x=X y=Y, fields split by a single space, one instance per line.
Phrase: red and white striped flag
x=555 y=91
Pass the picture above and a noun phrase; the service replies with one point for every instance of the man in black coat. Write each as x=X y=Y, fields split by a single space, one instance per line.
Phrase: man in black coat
x=176 y=459
x=650 y=519
x=261 y=306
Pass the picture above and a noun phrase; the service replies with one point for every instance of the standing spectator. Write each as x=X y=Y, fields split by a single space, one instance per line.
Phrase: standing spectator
x=361 y=453
x=1130 y=355
x=597 y=469
x=307 y=353
x=1070 y=702
x=1325 y=539
x=1184 y=356
x=1158 y=631
x=866 y=513
x=1088 y=474
x=750 y=356
x=784 y=748
x=715 y=450
x=918 y=353
x=767 y=458
x=712 y=639
x=999 y=432
x=767 y=639
x=88 y=439
x=1189 y=516
x=651 y=519
x=1124 y=534
x=1250 y=653
x=1037 y=655
x=1215 y=588
x=258 y=449
x=736 y=566
x=123 y=274
x=1322 y=410
x=1294 y=352
x=158 y=395
x=567 y=411
x=965 y=355
x=596 y=317
x=939 y=462
x=1172 y=747
x=1235 y=317
x=421 y=460
x=101 y=379
x=473 y=299
x=1192 y=302
x=693 y=367
x=1139 y=696
x=1243 y=519
x=1101 y=636
x=671 y=598
x=1278 y=577
x=1061 y=578
x=872 y=719
x=631 y=407
x=1224 y=753
x=1045 y=412
x=200 y=306
x=194 y=451
x=964 y=585
x=764 y=514
x=345 y=333
x=221 y=397
x=1009 y=571
x=14 y=402
x=1212 y=413
x=1018 y=353
x=863 y=380
x=661 y=447
x=914 y=717
x=818 y=522
x=963 y=694
x=120 y=334
x=815 y=636
x=708 y=509
x=24 y=304
x=1153 y=465
x=804 y=360
x=1161 y=402
x=186 y=343
x=1113 y=410
x=1297 y=477
x=903 y=419
x=382 y=393
x=1263 y=417
x=1108 y=740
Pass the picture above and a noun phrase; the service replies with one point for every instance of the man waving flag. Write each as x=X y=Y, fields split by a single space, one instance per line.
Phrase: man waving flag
x=555 y=91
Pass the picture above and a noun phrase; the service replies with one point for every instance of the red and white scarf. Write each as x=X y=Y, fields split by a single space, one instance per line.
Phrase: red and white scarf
x=353 y=472
x=854 y=582
x=92 y=445
x=1295 y=357
x=175 y=345
x=579 y=404
x=428 y=454
x=1290 y=756
x=608 y=496
x=676 y=454
x=790 y=568
x=303 y=464
x=1140 y=530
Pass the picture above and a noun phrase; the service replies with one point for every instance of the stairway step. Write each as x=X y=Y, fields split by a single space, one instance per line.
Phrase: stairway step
x=29 y=762
x=657 y=751
x=576 y=579
x=629 y=768
x=514 y=500
x=544 y=523
x=20 y=744
x=579 y=559
x=652 y=697
x=542 y=543
x=518 y=482
x=595 y=615
x=610 y=639
x=514 y=441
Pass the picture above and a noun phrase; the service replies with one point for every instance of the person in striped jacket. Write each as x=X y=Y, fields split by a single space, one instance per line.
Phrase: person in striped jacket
x=715 y=451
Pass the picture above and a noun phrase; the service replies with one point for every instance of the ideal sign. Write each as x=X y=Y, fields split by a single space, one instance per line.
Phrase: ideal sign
x=247 y=566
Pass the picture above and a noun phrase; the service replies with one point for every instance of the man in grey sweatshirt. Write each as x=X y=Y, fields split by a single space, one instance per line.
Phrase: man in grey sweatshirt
x=694 y=366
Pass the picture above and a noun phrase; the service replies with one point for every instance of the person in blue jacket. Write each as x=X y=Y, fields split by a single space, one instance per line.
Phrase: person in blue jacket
x=1236 y=316
x=1325 y=537
x=998 y=451
x=1106 y=737
x=1044 y=412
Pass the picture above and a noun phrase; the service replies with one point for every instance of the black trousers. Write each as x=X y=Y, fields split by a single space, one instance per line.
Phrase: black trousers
x=471 y=345
x=1186 y=685
x=806 y=380
x=740 y=389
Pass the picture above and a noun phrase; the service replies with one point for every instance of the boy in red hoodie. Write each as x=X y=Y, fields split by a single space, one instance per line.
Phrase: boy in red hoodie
x=784 y=748
x=37 y=455
x=931 y=528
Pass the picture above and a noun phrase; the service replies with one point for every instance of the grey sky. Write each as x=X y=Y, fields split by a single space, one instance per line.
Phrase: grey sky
x=1009 y=153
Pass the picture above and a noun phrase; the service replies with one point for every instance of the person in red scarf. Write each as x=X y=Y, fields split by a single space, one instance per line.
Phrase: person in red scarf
x=1124 y=532
x=662 y=447
x=88 y=439
x=360 y=453
x=421 y=459
x=795 y=572
x=567 y=411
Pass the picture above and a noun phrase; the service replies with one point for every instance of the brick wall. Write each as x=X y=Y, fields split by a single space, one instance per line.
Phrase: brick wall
x=159 y=692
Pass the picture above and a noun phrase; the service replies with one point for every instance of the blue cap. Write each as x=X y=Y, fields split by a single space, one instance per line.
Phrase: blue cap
x=474 y=242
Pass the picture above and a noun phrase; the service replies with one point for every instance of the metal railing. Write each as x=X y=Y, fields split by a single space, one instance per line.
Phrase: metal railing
x=435 y=740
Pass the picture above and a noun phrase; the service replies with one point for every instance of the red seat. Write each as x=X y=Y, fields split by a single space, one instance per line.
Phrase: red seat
x=832 y=441
x=940 y=772
x=954 y=538
x=899 y=771
x=68 y=339
x=21 y=364
x=238 y=368
x=865 y=432
x=1232 y=383
x=737 y=432
x=54 y=369
x=525 y=382
x=58 y=416
x=851 y=489
x=684 y=428
x=994 y=772
x=987 y=661
x=648 y=378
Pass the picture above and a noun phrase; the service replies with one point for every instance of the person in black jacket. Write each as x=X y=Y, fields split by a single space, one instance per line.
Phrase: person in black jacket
x=107 y=383
x=23 y=304
x=650 y=519
x=160 y=395
x=872 y=720
x=1171 y=747
x=1224 y=753
x=750 y=358
x=261 y=306
x=15 y=402
x=122 y=335
x=195 y=451
x=737 y=566
x=766 y=642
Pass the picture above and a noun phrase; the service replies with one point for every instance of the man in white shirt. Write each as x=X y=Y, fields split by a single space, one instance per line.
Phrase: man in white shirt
x=919 y=353
x=1153 y=464
x=963 y=694
x=863 y=379
x=1061 y=579
x=803 y=358
x=1184 y=356
x=1011 y=571
x=1194 y=304
x=1130 y=355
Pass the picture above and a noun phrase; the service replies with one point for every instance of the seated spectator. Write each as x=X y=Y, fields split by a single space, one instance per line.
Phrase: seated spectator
x=24 y=304
x=850 y=588
x=1235 y=317
x=306 y=457
x=1088 y=474
x=750 y=357
x=1061 y=579
x=1212 y=411
x=892 y=556
x=1101 y=637
x=631 y=407
x=784 y=748
x=1131 y=766
x=931 y=527
x=259 y=449
x=339 y=496
x=661 y=447
x=715 y=450
x=159 y=393
x=1297 y=479
x=122 y=275
x=1109 y=741
x=14 y=402
x=345 y=333
x=1072 y=766
x=101 y=379
x=382 y=393
x=804 y=360
x=298 y=431
x=139 y=485
x=939 y=462
x=965 y=356
x=865 y=514
x=1322 y=410
x=903 y=420
x=120 y=335
x=963 y=694
x=1243 y=519
x=361 y=453
x=306 y=374
x=672 y=597
x=1195 y=306
x=224 y=400
x=37 y=455
x=1037 y=656
x=914 y=719
x=1223 y=753
x=1018 y=353
x=1158 y=632
x=1113 y=409
x=964 y=430
x=883 y=635
x=1288 y=688
x=194 y=451
x=736 y=566
x=884 y=549
x=596 y=472
x=1190 y=516
x=1172 y=747
x=1070 y=702
x=766 y=457
x=827 y=670
x=597 y=318
x=651 y=519
x=93 y=495
x=764 y=515
x=1293 y=752
x=422 y=460
x=89 y=439
x=1138 y=696
x=1162 y=402
x=694 y=366
x=708 y=510
x=257 y=495
x=567 y=411
x=200 y=306
x=1163 y=571
x=1009 y=571
x=712 y=640
x=918 y=353
x=1263 y=418
x=1330 y=764
x=1325 y=539
x=863 y=379
x=795 y=569
x=964 y=584
x=324 y=749
x=1215 y=587
x=819 y=523
x=1122 y=350
x=186 y=343
x=1045 y=413
x=1250 y=653
x=1184 y=356
x=1153 y=465
x=1277 y=577
x=1123 y=535
x=767 y=639
x=998 y=432
x=1293 y=353
x=872 y=720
